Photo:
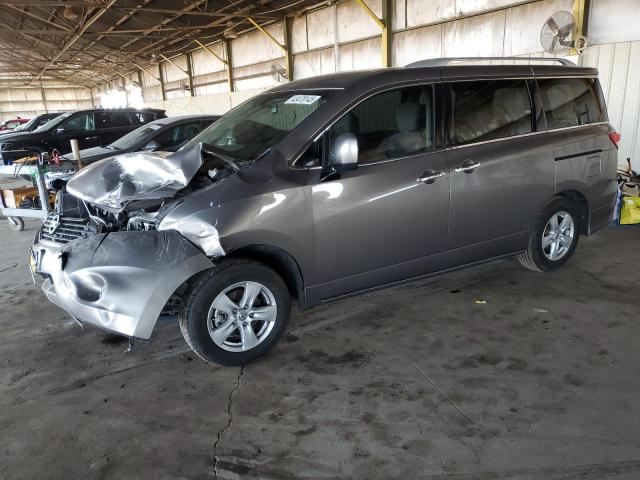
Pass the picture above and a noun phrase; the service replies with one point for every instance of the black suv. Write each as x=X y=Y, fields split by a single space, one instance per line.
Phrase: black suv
x=92 y=128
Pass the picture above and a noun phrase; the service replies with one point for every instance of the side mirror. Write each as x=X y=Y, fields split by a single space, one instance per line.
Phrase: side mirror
x=151 y=146
x=344 y=152
x=60 y=130
x=342 y=156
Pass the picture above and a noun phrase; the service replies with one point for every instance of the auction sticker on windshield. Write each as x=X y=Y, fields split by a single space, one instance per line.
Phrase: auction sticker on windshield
x=303 y=99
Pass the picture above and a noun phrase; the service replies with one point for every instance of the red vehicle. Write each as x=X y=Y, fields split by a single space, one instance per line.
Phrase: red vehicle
x=8 y=125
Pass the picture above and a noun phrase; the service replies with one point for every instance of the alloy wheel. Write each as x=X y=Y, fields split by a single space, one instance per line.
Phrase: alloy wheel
x=242 y=316
x=558 y=235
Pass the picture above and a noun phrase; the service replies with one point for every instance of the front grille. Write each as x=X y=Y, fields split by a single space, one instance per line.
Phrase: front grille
x=62 y=230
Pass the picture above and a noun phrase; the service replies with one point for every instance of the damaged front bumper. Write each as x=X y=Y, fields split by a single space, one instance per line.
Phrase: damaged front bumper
x=118 y=281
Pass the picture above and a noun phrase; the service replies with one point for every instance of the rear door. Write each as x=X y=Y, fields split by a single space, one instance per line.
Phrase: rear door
x=502 y=171
x=586 y=159
x=387 y=220
x=113 y=125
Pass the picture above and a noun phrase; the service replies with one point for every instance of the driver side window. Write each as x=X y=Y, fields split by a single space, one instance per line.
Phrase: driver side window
x=389 y=125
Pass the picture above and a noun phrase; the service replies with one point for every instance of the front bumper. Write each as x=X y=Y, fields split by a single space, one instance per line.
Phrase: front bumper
x=118 y=281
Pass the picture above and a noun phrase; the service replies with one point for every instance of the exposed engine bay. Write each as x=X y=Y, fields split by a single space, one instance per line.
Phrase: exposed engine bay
x=135 y=192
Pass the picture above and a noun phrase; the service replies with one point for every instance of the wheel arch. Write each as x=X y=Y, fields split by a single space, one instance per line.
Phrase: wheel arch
x=582 y=204
x=281 y=261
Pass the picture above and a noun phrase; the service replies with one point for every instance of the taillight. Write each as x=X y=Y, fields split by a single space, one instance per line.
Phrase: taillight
x=615 y=138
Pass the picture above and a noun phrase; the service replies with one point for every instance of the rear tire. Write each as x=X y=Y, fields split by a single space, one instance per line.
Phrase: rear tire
x=553 y=238
x=235 y=312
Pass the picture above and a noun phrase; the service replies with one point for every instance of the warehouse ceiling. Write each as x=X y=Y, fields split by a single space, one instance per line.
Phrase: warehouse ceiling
x=89 y=42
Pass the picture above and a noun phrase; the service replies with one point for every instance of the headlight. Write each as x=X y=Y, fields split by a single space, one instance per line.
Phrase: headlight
x=144 y=221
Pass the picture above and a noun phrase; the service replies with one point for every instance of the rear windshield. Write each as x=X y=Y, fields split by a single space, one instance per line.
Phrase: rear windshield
x=570 y=102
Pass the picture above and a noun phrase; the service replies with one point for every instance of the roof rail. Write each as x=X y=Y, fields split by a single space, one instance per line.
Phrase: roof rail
x=441 y=62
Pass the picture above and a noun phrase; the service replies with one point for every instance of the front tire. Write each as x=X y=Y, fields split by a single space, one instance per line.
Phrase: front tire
x=553 y=238
x=235 y=312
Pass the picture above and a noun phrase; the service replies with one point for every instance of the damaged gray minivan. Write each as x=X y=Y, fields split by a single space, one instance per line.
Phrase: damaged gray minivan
x=329 y=186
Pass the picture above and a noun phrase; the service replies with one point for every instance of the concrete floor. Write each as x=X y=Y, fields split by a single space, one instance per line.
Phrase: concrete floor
x=419 y=381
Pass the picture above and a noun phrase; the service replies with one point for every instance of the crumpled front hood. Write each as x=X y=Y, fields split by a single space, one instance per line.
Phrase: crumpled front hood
x=113 y=182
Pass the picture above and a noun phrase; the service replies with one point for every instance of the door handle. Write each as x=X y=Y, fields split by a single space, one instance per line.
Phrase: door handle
x=430 y=176
x=467 y=166
x=90 y=138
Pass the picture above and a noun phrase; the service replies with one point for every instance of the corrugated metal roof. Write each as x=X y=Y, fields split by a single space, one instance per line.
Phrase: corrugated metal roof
x=84 y=42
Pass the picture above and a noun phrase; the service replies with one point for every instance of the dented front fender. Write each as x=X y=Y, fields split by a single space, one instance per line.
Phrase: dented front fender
x=119 y=281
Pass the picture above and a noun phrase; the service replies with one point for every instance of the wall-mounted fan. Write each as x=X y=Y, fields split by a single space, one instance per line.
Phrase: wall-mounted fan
x=560 y=33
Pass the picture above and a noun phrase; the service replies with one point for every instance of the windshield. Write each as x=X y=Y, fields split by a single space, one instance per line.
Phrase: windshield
x=52 y=123
x=27 y=126
x=131 y=138
x=251 y=128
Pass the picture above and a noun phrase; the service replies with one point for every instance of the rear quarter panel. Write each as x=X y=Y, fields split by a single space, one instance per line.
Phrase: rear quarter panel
x=586 y=162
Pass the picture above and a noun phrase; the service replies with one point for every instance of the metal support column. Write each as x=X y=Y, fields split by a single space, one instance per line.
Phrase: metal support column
x=44 y=98
x=161 y=78
x=141 y=82
x=387 y=39
x=286 y=48
x=581 y=14
x=229 y=64
x=288 y=55
x=190 y=74
x=385 y=24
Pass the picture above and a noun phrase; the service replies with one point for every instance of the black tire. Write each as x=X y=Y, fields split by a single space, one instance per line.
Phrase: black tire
x=16 y=224
x=534 y=257
x=206 y=287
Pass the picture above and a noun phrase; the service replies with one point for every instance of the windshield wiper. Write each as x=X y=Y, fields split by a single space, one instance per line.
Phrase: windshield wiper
x=221 y=154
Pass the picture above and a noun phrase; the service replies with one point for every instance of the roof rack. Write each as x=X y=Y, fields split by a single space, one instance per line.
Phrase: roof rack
x=441 y=62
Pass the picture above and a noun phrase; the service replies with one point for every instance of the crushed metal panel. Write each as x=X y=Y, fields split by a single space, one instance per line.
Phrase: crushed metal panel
x=114 y=181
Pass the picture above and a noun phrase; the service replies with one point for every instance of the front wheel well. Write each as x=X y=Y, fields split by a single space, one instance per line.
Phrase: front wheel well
x=582 y=204
x=278 y=260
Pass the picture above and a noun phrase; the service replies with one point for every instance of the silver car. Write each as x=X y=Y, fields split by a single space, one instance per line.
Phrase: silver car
x=331 y=186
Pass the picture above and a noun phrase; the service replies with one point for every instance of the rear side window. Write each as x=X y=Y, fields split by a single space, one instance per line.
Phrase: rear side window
x=488 y=110
x=140 y=118
x=176 y=135
x=102 y=120
x=389 y=125
x=569 y=102
x=119 y=119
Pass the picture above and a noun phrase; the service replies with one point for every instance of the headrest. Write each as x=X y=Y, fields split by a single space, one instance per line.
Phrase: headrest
x=558 y=95
x=347 y=124
x=410 y=117
x=510 y=104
